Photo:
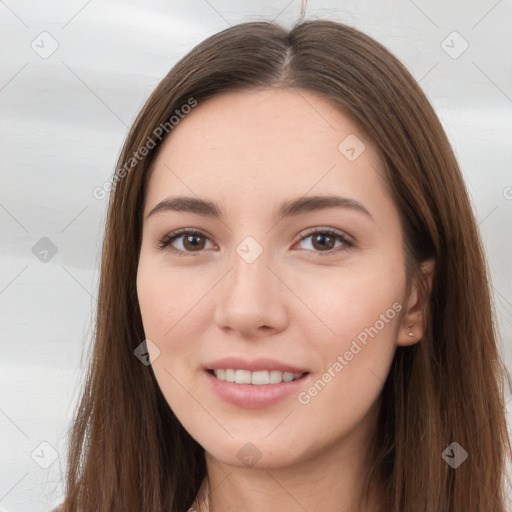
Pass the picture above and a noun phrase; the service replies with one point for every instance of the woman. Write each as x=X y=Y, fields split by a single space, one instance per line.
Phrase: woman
x=294 y=311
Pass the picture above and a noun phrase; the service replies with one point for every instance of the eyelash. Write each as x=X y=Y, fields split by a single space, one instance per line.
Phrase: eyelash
x=164 y=242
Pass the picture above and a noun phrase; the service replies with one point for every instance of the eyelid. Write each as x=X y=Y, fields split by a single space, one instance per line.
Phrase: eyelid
x=164 y=242
x=325 y=229
x=347 y=242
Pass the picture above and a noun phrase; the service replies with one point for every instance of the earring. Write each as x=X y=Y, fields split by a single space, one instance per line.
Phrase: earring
x=410 y=333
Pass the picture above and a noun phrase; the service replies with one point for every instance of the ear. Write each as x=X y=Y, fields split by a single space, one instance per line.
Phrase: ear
x=411 y=326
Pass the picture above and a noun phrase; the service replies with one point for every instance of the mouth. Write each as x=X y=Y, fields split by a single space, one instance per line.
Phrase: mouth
x=255 y=389
x=256 y=378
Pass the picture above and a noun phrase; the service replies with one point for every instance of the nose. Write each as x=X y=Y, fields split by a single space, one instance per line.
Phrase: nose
x=251 y=299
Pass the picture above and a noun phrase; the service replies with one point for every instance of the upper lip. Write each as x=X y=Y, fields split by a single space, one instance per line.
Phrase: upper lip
x=256 y=364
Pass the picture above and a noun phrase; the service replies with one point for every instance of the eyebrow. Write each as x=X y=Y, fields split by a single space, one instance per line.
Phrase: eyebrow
x=288 y=209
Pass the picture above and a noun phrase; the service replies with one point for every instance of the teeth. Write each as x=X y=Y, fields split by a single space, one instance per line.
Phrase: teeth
x=258 y=378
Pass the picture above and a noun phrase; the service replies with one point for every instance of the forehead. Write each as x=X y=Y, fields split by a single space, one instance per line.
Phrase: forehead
x=263 y=143
x=242 y=122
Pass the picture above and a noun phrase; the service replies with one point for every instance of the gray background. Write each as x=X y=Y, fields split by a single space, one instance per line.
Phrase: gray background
x=65 y=115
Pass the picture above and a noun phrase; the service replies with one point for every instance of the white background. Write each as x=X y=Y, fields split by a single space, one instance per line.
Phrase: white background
x=64 y=119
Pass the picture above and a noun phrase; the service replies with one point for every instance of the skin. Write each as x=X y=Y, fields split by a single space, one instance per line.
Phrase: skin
x=249 y=152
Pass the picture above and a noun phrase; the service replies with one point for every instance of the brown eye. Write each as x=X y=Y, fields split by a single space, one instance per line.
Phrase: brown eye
x=193 y=242
x=325 y=242
x=184 y=242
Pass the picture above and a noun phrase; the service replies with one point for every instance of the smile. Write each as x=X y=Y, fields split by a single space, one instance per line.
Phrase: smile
x=256 y=389
x=258 y=378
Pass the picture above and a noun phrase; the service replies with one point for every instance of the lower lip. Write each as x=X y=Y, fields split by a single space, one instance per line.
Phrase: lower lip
x=252 y=396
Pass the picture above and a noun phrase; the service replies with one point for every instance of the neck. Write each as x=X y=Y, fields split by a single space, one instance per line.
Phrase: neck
x=331 y=481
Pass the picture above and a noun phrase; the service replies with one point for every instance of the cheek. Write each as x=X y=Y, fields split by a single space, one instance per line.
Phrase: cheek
x=168 y=297
x=352 y=364
x=345 y=301
x=165 y=302
x=352 y=334
x=172 y=304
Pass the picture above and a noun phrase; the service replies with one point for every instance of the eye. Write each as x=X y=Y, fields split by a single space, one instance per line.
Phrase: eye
x=191 y=242
x=323 y=241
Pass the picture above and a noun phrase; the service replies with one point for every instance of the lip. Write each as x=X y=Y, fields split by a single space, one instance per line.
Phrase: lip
x=251 y=396
x=253 y=365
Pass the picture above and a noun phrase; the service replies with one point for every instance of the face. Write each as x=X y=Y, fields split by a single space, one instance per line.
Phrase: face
x=293 y=270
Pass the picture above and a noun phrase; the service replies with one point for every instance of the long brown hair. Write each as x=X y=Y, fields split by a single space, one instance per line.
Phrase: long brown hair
x=128 y=452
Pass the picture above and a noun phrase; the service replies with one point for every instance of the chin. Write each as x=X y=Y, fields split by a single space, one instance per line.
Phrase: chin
x=258 y=454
